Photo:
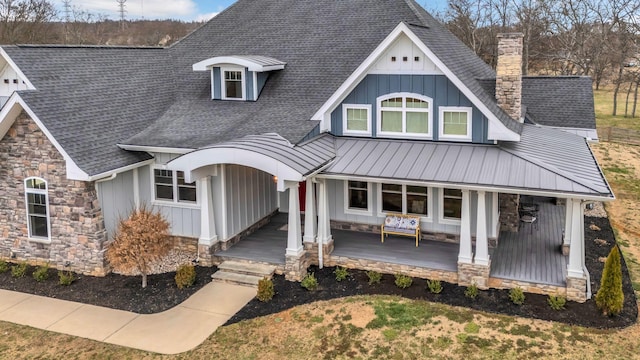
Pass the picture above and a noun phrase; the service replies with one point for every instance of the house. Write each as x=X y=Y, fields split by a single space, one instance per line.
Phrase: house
x=342 y=110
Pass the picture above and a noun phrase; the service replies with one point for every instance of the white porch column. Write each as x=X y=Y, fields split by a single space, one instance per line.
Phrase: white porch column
x=495 y=215
x=465 y=255
x=482 y=245
x=208 y=234
x=576 y=259
x=294 y=232
x=324 y=220
x=568 y=222
x=310 y=213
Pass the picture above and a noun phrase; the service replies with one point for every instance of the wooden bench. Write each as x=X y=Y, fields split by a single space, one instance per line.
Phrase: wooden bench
x=400 y=224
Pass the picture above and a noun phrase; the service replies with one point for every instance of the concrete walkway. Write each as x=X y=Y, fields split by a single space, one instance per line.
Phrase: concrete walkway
x=170 y=332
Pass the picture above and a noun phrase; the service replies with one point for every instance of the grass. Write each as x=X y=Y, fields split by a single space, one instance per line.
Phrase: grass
x=604 y=108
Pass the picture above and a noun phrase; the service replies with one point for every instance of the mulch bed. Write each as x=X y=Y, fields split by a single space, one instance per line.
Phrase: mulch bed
x=125 y=292
x=112 y=291
x=290 y=294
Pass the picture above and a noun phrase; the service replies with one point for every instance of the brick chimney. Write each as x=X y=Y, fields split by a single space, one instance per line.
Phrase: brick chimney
x=509 y=74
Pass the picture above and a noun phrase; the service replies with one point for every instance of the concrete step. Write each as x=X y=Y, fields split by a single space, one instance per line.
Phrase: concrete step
x=246 y=268
x=236 y=278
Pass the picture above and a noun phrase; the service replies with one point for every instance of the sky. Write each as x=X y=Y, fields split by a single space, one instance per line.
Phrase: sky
x=187 y=10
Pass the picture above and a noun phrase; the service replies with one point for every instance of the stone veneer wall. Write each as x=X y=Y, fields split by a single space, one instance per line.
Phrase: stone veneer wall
x=509 y=217
x=509 y=74
x=77 y=234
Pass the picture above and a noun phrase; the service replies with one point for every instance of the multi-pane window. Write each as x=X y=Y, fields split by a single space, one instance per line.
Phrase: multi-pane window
x=405 y=115
x=233 y=85
x=455 y=123
x=358 y=195
x=357 y=119
x=171 y=186
x=37 y=208
x=407 y=199
x=452 y=204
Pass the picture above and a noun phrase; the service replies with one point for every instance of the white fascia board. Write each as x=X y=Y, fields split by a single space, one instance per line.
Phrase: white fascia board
x=8 y=116
x=111 y=173
x=506 y=190
x=205 y=65
x=155 y=149
x=214 y=156
x=497 y=130
x=15 y=67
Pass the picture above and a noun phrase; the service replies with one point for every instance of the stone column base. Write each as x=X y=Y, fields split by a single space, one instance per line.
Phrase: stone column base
x=474 y=274
x=205 y=254
x=311 y=249
x=565 y=249
x=576 y=289
x=327 y=248
x=295 y=267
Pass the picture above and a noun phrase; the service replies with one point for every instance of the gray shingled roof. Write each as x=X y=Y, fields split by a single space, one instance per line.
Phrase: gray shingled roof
x=557 y=101
x=91 y=98
x=562 y=163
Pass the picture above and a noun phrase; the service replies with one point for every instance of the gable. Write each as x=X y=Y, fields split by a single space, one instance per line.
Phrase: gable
x=11 y=78
x=404 y=57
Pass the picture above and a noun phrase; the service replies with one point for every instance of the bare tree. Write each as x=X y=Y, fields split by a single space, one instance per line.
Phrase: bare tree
x=25 y=21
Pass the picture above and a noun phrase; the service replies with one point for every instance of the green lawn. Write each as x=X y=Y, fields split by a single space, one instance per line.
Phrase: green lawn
x=604 y=108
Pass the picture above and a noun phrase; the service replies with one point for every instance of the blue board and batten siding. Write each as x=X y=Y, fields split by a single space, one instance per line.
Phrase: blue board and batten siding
x=251 y=194
x=337 y=209
x=248 y=81
x=437 y=87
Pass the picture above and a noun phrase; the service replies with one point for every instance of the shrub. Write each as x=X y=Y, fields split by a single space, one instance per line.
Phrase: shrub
x=403 y=281
x=19 y=270
x=435 y=286
x=341 y=273
x=42 y=273
x=556 y=302
x=309 y=282
x=140 y=241
x=185 y=276
x=265 y=290
x=471 y=292
x=374 y=277
x=4 y=266
x=66 y=278
x=516 y=295
x=610 y=298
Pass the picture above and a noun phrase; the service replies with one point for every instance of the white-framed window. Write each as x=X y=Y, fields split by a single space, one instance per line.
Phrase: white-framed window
x=356 y=119
x=405 y=199
x=455 y=123
x=233 y=84
x=357 y=197
x=170 y=186
x=37 y=201
x=450 y=205
x=405 y=115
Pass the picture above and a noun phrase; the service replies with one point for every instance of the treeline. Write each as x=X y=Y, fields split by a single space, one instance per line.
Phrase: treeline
x=597 y=38
x=38 y=22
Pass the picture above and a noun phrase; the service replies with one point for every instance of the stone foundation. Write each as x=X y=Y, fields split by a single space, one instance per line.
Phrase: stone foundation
x=509 y=217
x=469 y=274
x=295 y=267
x=186 y=245
x=77 y=232
x=576 y=289
x=528 y=287
x=389 y=268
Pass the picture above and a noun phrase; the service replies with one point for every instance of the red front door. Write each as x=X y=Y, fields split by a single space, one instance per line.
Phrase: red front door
x=302 y=191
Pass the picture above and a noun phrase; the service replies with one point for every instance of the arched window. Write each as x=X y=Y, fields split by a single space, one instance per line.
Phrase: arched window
x=37 y=201
x=405 y=115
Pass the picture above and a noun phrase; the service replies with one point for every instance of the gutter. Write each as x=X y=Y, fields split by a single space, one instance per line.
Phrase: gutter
x=110 y=175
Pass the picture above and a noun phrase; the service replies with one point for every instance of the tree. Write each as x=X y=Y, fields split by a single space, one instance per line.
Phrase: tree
x=140 y=242
x=610 y=298
x=25 y=21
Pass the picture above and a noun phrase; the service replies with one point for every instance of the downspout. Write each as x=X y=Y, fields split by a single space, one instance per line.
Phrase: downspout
x=584 y=266
x=320 y=249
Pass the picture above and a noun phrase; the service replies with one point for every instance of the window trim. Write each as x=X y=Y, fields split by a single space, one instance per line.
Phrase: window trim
x=345 y=130
x=404 y=134
x=350 y=211
x=223 y=88
x=444 y=220
x=442 y=110
x=44 y=192
x=428 y=218
x=175 y=202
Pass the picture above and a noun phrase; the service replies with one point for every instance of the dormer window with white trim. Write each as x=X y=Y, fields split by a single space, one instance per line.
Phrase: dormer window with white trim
x=234 y=85
x=405 y=115
x=238 y=77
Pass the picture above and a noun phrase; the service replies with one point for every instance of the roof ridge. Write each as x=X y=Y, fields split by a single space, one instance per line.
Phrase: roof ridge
x=67 y=46
x=416 y=10
x=552 y=168
x=203 y=25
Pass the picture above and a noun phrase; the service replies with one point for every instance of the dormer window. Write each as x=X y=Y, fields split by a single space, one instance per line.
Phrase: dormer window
x=238 y=77
x=234 y=86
